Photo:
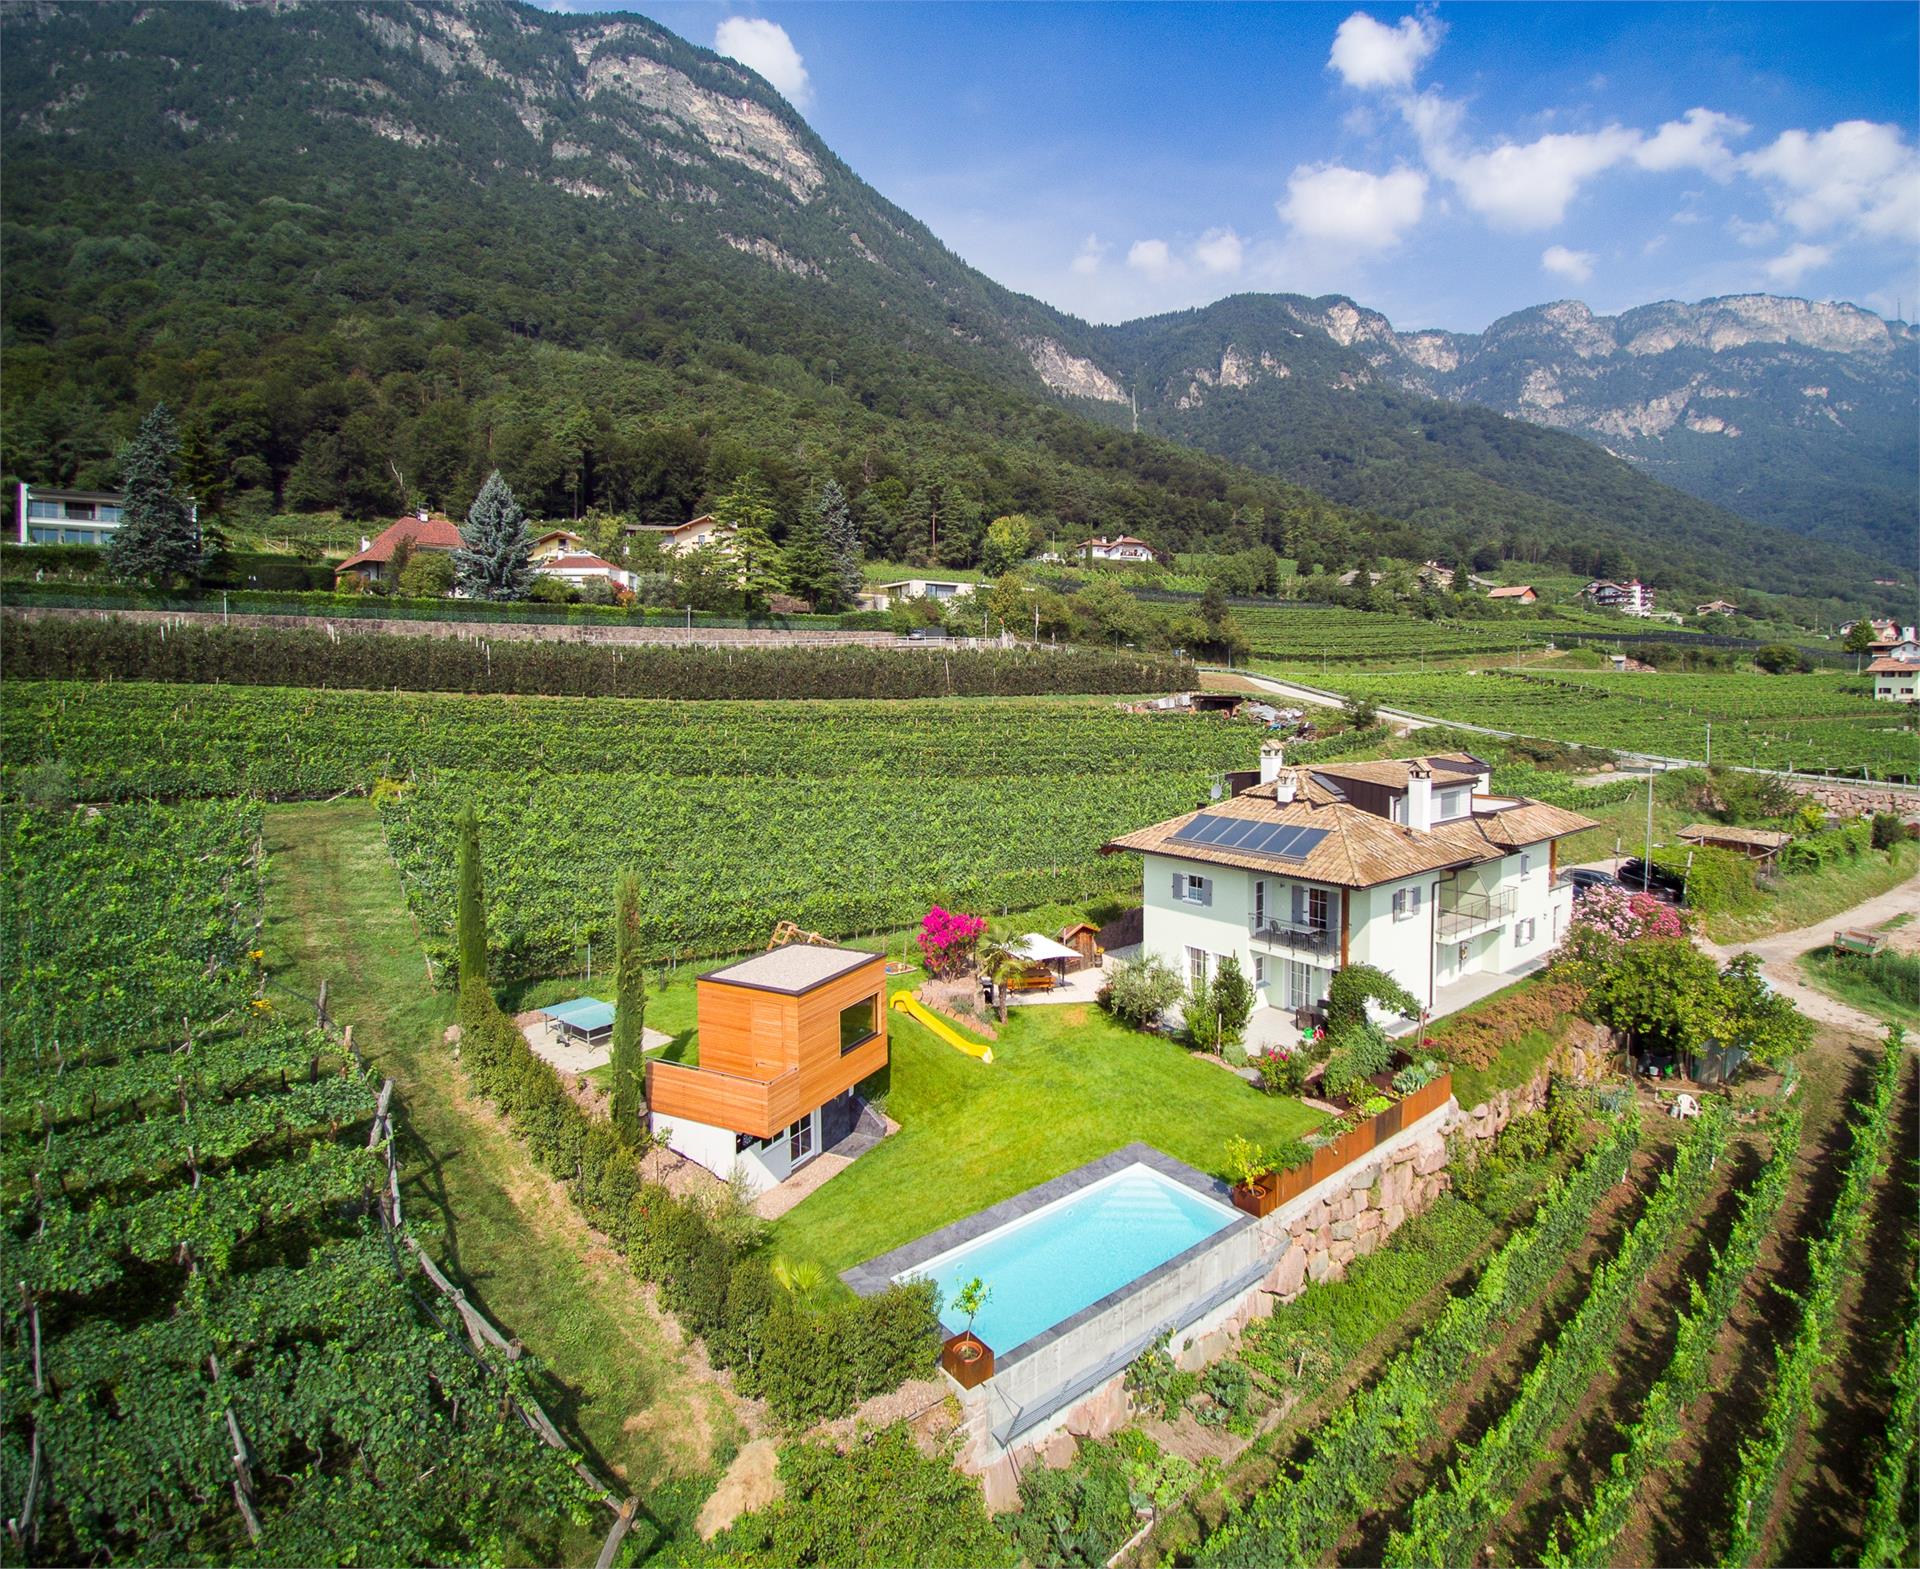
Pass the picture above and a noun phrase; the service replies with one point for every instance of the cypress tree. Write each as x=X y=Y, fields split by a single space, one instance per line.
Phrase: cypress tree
x=495 y=560
x=472 y=912
x=843 y=540
x=629 y=1012
x=157 y=539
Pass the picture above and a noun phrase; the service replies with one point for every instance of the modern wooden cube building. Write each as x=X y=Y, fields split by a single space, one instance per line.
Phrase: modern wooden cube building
x=784 y=1038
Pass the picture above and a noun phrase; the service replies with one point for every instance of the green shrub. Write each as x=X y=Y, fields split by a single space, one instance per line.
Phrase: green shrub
x=1833 y=847
x=1889 y=829
x=1360 y=1051
x=1354 y=986
x=1718 y=882
x=880 y=1504
x=1157 y=1383
x=1078 y=1515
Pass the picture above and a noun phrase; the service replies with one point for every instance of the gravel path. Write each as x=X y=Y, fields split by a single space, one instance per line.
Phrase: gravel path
x=1778 y=955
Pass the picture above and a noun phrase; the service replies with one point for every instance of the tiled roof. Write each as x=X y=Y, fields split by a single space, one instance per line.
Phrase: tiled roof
x=1510 y=593
x=1889 y=666
x=1360 y=849
x=1721 y=833
x=577 y=563
x=436 y=533
x=1393 y=772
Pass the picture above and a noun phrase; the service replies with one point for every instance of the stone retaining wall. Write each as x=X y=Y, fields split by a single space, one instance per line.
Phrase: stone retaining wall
x=1863 y=800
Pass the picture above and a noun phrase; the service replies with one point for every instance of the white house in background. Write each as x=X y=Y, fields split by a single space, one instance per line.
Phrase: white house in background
x=580 y=568
x=684 y=538
x=1410 y=865
x=71 y=517
x=1632 y=598
x=883 y=596
x=1902 y=646
x=1124 y=548
x=1895 y=680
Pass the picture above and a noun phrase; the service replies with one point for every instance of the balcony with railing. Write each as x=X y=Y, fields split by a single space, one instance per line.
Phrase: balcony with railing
x=1468 y=913
x=1317 y=940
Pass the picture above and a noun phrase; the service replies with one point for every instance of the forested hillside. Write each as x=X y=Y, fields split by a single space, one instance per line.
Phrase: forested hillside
x=369 y=253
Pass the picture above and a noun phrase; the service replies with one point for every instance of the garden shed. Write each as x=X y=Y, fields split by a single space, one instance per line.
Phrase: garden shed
x=1083 y=937
x=1759 y=844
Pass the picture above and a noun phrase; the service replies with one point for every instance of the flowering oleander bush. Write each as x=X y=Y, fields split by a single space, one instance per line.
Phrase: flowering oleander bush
x=1605 y=921
x=947 y=937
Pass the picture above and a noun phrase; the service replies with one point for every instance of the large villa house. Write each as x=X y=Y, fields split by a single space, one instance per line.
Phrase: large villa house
x=1412 y=866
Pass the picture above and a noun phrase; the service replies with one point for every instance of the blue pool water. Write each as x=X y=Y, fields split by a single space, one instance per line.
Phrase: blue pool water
x=1047 y=1266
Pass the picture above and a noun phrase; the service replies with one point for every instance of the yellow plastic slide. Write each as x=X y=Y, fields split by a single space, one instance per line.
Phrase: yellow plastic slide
x=915 y=1009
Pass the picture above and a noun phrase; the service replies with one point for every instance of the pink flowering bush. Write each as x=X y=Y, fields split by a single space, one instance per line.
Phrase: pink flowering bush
x=947 y=937
x=1606 y=920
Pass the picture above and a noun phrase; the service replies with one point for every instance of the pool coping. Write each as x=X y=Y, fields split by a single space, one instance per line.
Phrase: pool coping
x=876 y=1274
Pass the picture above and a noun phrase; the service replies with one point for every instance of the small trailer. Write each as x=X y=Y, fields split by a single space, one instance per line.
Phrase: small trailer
x=1853 y=939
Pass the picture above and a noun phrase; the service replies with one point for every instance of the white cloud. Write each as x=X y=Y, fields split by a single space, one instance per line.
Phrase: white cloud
x=1152 y=258
x=1575 y=266
x=1219 y=251
x=1856 y=176
x=1697 y=140
x=1092 y=252
x=1654 y=246
x=1796 y=261
x=1516 y=185
x=1754 y=234
x=1366 y=212
x=764 y=46
x=1368 y=54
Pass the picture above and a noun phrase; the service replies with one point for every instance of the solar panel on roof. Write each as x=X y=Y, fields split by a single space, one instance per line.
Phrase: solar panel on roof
x=1247 y=836
x=1239 y=835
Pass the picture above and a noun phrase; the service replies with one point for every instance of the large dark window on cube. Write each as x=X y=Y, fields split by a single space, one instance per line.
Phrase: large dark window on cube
x=856 y=1024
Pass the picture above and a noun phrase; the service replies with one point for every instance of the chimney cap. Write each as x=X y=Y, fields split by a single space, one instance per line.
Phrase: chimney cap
x=1419 y=769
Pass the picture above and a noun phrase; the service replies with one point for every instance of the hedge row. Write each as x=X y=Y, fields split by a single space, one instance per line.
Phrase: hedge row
x=810 y=1363
x=1448 y=1522
x=1302 y=1516
x=114 y=650
x=1796 y=1360
x=1848 y=842
x=296 y=592
x=1663 y=1418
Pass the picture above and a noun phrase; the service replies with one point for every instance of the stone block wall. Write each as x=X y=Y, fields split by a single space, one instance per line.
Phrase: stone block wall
x=1860 y=800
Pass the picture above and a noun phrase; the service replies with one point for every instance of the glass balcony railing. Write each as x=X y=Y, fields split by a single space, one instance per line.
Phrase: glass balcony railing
x=1465 y=914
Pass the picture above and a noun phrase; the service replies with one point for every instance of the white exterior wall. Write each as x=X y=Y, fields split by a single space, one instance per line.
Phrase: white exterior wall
x=1170 y=926
x=705 y=1145
x=1896 y=686
x=1403 y=948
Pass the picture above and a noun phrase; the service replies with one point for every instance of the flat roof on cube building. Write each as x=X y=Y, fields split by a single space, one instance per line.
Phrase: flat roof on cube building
x=795 y=968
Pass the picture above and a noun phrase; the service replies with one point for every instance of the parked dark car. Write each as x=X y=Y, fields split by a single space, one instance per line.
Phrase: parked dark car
x=1664 y=885
x=1587 y=878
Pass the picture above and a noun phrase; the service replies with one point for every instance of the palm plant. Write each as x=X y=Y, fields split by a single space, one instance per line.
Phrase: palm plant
x=801 y=1279
x=1000 y=962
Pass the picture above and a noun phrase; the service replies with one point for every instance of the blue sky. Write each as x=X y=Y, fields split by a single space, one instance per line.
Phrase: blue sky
x=1445 y=164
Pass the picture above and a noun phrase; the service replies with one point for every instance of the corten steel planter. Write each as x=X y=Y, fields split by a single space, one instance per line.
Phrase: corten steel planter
x=1259 y=1199
x=967 y=1359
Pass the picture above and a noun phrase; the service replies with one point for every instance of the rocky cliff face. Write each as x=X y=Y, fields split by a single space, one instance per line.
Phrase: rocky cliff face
x=1794 y=412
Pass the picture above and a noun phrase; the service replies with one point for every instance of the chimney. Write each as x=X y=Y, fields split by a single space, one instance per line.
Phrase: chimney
x=1286 y=785
x=1273 y=761
x=365 y=543
x=1419 y=796
x=422 y=515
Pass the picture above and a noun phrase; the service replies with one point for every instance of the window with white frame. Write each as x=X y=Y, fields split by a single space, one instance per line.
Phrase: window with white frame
x=1196 y=965
x=1523 y=933
x=1189 y=889
x=1453 y=803
x=1300 y=984
x=1259 y=969
x=1526 y=862
x=1406 y=903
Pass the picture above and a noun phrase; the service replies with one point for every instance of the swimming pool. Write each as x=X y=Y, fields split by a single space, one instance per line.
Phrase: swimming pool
x=1047 y=1266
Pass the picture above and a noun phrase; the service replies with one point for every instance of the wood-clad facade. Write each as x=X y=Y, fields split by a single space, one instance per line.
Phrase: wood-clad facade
x=770 y=1057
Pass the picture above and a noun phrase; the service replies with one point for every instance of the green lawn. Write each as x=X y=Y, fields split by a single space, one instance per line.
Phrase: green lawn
x=1066 y=1086
x=1866 y=984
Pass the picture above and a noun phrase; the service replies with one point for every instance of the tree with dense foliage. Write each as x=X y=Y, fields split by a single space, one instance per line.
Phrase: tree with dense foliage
x=1233 y=1000
x=496 y=560
x=747 y=509
x=429 y=575
x=1009 y=541
x=811 y=573
x=1781 y=659
x=1355 y=985
x=1859 y=638
x=628 y=1107
x=470 y=916
x=1140 y=991
x=843 y=540
x=1662 y=990
x=157 y=541
x=1751 y=1015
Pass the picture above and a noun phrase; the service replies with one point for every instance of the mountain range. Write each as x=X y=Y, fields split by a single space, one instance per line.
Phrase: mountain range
x=371 y=251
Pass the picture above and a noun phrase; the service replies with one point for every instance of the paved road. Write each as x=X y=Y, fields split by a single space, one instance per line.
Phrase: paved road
x=1779 y=953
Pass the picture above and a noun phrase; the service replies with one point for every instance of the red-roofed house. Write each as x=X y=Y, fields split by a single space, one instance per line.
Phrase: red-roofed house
x=425 y=531
x=1519 y=594
x=1895 y=680
x=580 y=568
